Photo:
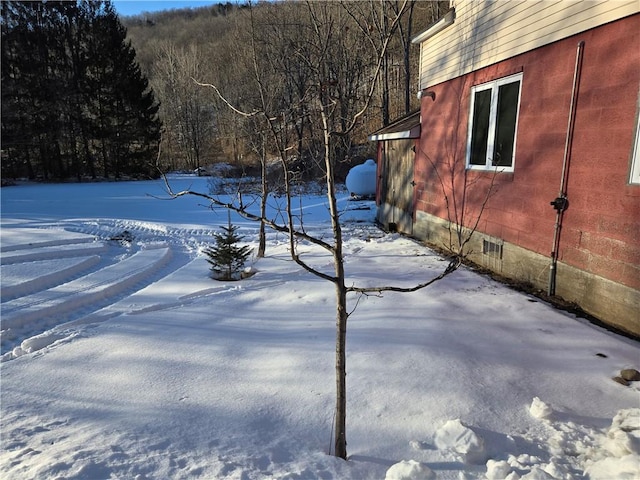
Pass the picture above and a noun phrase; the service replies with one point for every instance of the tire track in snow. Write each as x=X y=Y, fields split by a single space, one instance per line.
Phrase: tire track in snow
x=51 y=252
x=40 y=237
x=37 y=312
x=143 y=232
x=104 y=278
x=184 y=300
x=48 y=280
x=144 y=253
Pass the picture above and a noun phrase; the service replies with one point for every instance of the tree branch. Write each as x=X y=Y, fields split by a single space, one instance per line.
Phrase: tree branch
x=241 y=210
x=452 y=267
x=381 y=57
x=226 y=102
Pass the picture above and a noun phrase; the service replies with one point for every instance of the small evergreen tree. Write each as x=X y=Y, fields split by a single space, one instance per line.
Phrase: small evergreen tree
x=227 y=258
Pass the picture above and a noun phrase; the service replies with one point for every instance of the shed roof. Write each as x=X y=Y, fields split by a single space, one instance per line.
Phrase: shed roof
x=405 y=127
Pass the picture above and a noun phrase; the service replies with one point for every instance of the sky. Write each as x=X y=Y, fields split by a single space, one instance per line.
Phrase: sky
x=135 y=7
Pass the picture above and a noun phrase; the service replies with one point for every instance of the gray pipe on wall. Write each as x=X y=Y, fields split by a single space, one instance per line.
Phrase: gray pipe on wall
x=561 y=203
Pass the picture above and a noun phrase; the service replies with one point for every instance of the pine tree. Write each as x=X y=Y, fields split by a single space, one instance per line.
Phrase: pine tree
x=73 y=94
x=226 y=257
x=126 y=111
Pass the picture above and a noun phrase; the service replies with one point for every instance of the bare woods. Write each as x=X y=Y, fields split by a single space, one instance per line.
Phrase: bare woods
x=224 y=44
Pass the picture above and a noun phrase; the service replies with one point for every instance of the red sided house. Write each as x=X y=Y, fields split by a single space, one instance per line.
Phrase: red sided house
x=527 y=134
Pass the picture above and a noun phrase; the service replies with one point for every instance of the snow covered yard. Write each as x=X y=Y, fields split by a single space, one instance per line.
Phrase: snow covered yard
x=123 y=359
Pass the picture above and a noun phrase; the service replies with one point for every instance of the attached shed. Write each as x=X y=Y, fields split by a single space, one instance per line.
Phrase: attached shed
x=395 y=187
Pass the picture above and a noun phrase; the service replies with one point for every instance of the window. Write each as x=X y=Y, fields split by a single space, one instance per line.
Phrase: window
x=494 y=119
x=635 y=154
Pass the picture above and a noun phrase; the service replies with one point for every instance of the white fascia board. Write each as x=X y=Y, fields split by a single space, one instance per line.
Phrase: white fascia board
x=413 y=133
x=437 y=27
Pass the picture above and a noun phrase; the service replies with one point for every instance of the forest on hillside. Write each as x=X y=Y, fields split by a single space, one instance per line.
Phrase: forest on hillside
x=278 y=44
x=87 y=94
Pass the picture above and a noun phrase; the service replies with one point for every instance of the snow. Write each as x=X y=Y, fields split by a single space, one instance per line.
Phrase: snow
x=409 y=470
x=123 y=359
x=498 y=469
x=539 y=409
x=456 y=437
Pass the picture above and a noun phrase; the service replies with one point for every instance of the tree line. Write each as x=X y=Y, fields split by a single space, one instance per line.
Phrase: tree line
x=224 y=44
x=75 y=103
x=79 y=101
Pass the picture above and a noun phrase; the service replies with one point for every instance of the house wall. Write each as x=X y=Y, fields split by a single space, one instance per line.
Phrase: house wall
x=485 y=33
x=599 y=251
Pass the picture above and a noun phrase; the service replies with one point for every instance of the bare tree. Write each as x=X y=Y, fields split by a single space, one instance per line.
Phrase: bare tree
x=188 y=114
x=335 y=111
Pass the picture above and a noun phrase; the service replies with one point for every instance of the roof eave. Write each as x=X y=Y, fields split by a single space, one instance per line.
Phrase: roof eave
x=437 y=27
x=414 y=132
x=405 y=127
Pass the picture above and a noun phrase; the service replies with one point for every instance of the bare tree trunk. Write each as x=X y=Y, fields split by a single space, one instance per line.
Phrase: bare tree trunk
x=341 y=317
x=385 y=68
x=262 y=236
x=340 y=440
x=406 y=60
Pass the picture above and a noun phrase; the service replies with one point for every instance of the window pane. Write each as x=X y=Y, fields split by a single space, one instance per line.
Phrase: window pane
x=506 y=124
x=635 y=156
x=480 y=126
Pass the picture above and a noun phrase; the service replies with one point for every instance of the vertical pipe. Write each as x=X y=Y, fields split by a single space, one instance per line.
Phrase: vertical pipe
x=561 y=202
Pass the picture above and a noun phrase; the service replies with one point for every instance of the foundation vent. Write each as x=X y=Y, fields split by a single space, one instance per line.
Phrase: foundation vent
x=492 y=248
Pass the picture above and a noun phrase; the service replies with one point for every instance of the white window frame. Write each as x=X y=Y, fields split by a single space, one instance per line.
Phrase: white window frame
x=635 y=154
x=493 y=86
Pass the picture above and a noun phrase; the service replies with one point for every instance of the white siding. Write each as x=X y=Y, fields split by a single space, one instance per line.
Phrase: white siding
x=486 y=32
